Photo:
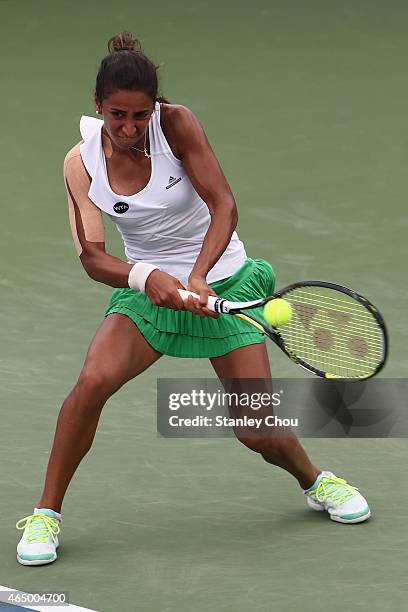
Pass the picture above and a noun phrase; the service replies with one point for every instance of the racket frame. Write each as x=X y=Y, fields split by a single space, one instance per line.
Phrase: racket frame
x=222 y=305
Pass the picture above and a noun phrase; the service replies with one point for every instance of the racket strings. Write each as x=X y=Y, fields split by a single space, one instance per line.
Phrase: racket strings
x=340 y=310
x=324 y=329
x=332 y=333
x=329 y=324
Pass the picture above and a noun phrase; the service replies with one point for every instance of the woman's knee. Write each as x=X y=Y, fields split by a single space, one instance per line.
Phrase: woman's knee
x=92 y=389
x=251 y=439
x=267 y=445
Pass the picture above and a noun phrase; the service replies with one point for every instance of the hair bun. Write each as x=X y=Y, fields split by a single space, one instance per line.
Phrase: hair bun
x=123 y=42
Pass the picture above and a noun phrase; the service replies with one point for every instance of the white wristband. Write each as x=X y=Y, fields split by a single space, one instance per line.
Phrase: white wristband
x=138 y=275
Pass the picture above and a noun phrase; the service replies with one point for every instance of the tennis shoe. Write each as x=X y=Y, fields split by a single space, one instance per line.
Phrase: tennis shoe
x=39 y=542
x=341 y=500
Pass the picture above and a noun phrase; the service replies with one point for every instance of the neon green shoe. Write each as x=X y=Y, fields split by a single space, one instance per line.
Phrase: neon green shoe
x=39 y=542
x=341 y=500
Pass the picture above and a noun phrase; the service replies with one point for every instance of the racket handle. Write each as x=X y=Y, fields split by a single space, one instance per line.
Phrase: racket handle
x=211 y=299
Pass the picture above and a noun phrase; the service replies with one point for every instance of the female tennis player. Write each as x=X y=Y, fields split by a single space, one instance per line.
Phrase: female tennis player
x=148 y=165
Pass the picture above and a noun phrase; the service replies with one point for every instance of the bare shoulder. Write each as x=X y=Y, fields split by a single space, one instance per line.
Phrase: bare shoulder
x=73 y=153
x=180 y=126
x=178 y=117
x=73 y=164
x=176 y=112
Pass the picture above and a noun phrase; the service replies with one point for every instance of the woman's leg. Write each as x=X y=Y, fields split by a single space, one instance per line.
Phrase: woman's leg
x=117 y=354
x=282 y=449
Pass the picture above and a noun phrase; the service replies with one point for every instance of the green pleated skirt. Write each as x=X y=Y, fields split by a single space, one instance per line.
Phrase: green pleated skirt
x=180 y=333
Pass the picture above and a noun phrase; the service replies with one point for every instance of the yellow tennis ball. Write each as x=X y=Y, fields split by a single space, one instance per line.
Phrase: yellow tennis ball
x=277 y=312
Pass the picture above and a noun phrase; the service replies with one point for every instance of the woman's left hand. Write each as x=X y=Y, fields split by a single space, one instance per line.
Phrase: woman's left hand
x=198 y=284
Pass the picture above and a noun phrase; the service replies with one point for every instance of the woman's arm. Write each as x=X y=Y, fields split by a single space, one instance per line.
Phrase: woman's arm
x=189 y=143
x=89 y=239
x=87 y=227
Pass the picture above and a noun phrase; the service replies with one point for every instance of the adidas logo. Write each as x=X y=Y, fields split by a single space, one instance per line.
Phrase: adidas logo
x=173 y=181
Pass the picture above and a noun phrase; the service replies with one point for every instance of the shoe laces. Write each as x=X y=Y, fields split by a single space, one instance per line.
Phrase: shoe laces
x=40 y=528
x=332 y=488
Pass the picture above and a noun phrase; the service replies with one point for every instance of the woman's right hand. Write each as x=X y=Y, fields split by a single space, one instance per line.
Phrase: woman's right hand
x=161 y=289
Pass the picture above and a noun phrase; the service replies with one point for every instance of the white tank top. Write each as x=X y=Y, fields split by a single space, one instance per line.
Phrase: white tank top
x=164 y=223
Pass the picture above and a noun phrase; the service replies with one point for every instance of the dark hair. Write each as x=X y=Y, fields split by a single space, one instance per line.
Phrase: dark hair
x=126 y=67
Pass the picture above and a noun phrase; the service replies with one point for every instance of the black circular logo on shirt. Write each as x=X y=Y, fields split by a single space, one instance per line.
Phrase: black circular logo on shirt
x=121 y=207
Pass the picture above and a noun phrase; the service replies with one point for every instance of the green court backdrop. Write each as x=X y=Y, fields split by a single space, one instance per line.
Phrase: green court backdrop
x=305 y=106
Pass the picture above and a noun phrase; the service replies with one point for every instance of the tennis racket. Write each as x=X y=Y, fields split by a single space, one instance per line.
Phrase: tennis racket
x=334 y=332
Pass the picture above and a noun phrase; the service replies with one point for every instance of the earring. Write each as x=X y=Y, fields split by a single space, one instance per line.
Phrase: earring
x=97 y=111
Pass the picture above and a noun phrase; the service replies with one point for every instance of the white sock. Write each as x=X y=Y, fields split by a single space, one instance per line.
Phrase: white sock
x=48 y=512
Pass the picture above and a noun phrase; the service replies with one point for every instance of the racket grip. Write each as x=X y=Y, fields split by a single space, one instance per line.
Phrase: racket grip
x=211 y=299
